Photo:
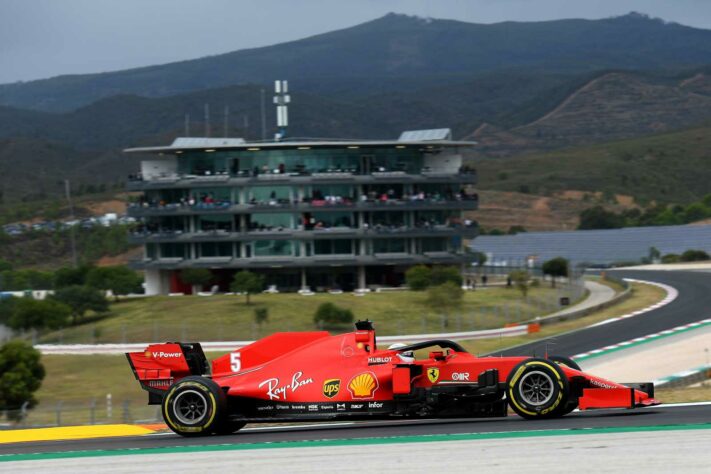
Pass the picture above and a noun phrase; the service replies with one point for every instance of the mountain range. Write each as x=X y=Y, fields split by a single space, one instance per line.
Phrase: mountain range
x=514 y=87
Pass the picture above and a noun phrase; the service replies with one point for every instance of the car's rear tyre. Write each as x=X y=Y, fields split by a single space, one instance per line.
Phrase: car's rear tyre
x=194 y=406
x=537 y=388
x=568 y=362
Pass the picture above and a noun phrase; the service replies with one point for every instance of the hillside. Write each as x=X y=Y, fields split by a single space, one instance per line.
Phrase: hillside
x=383 y=54
x=611 y=106
x=665 y=168
x=503 y=209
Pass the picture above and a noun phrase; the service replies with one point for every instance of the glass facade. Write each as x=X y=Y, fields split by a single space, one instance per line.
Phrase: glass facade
x=257 y=208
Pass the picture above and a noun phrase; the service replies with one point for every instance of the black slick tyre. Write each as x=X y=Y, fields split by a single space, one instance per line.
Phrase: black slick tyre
x=537 y=389
x=194 y=406
x=229 y=427
x=568 y=362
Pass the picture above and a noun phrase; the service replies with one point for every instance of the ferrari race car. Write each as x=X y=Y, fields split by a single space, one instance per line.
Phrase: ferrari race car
x=315 y=376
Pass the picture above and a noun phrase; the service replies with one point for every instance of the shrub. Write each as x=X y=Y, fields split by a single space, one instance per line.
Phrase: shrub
x=21 y=374
x=671 y=258
x=38 y=314
x=520 y=279
x=441 y=275
x=693 y=255
x=261 y=315
x=418 y=277
x=330 y=314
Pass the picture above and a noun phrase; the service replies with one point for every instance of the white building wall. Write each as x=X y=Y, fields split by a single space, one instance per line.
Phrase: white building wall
x=157 y=282
x=153 y=169
x=443 y=163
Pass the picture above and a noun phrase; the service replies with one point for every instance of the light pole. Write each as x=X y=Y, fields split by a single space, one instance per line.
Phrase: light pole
x=72 y=238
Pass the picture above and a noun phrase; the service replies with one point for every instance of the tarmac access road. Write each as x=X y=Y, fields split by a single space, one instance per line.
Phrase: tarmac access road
x=692 y=304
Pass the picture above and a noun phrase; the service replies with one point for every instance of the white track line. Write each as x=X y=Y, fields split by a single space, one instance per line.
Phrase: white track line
x=672 y=294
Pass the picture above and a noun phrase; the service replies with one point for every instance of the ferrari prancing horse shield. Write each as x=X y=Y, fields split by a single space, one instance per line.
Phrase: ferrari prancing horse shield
x=433 y=374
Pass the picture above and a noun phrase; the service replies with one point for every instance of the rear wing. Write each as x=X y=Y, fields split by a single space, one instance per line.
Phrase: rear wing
x=160 y=365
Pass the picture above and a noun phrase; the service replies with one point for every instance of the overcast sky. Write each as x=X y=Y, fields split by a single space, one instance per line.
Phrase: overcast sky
x=44 y=38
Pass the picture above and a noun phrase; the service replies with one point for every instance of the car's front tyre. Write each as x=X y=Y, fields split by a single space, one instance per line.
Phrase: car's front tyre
x=194 y=406
x=537 y=388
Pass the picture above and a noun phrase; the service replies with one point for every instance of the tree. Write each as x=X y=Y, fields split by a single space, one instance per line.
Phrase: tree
x=330 y=314
x=520 y=279
x=654 y=254
x=5 y=265
x=7 y=306
x=67 y=276
x=694 y=256
x=599 y=218
x=81 y=299
x=441 y=275
x=418 y=277
x=38 y=314
x=21 y=374
x=445 y=298
x=555 y=267
x=196 y=277
x=248 y=283
x=516 y=229
x=120 y=279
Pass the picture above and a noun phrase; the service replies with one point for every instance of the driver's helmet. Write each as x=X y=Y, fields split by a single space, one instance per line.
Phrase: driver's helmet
x=406 y=356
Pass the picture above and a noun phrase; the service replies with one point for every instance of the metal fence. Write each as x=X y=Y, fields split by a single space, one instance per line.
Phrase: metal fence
x=81 y=412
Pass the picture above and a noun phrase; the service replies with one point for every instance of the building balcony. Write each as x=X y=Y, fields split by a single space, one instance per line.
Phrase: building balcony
x=375 y=232
x=136 y=183
x=431 y=258
x=469 y=202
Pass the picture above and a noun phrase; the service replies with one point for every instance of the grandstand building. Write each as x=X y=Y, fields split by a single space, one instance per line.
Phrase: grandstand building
x=307 y=214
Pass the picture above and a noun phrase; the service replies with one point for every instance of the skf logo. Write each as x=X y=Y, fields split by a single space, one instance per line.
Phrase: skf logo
x=433 y=374
x=363 y=385
x=331 y=387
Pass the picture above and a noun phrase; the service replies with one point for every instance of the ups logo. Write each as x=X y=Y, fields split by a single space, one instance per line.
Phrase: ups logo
x=331 y=387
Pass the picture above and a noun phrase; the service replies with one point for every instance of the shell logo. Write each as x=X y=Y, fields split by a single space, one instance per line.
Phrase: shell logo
x=147 y=354
x=363 y=385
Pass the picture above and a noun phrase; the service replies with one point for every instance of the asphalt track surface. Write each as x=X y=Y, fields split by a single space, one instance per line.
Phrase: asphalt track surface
x=654 y=416
x=692 y=304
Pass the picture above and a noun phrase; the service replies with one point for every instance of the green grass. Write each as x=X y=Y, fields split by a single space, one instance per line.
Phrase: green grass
x=222 y=317
x=77 y=380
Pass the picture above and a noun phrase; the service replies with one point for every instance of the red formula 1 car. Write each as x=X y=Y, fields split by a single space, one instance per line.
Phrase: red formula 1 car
x=316 y=376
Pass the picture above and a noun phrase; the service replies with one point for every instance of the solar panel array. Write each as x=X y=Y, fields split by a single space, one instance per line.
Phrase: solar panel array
x=594 y=246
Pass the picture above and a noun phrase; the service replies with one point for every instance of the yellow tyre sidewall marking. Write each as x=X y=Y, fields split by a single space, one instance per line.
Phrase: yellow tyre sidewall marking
x=189 y=429
x=517 y=376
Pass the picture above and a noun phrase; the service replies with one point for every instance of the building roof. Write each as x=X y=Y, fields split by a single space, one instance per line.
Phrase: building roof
x=594 y=246
x=432 y=134
x=428 y=138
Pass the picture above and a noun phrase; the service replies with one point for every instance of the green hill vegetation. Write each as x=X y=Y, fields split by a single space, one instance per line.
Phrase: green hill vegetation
x=667 y=168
